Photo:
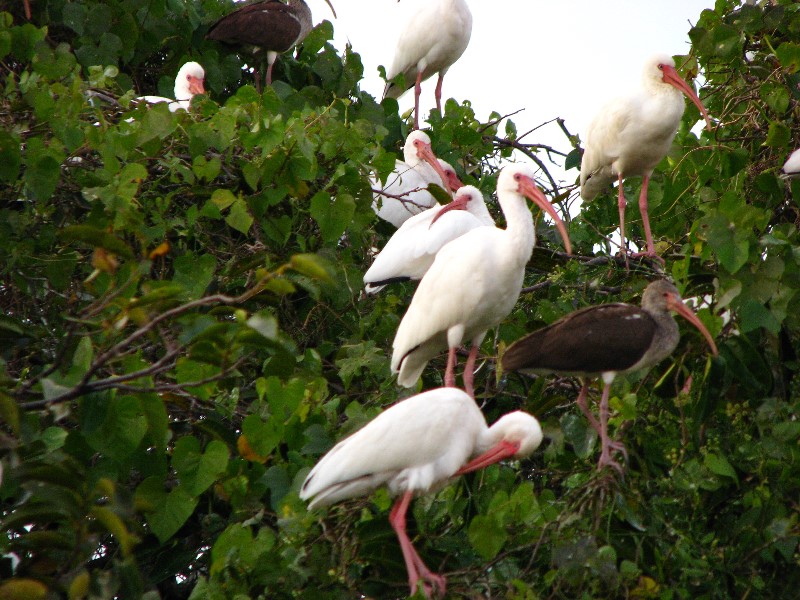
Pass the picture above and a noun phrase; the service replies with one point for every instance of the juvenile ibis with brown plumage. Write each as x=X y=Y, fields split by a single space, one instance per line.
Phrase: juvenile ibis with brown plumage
x=270 y=26
x=431 y=40
x=629 y=136
x=414 y=447
x=472 y=285
x=410 y=252
x=606 y=340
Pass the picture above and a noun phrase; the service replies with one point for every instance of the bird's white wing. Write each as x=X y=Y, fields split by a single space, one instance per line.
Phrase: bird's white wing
x=420 y=433
x=450 y=226
x=603 y=145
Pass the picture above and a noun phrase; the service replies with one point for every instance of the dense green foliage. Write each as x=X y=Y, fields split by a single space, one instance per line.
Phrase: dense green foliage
x=182 y=333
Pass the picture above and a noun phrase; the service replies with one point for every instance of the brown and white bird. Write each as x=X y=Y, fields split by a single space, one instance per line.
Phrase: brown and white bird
x=431 y=40
x=417 y=446
x=629 y=136
x=472 y=285
x=188 y=82
x=270 y=26
x=606 y=340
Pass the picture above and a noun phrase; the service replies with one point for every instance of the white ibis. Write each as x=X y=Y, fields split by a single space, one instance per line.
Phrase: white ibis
x=630 y=136
x=270 y=26
x=409 y=253
x=606 y=340
x=431 y=41
x=791 y=168
x=472 y=285
x=405 y=193
x=413 y=447
x=188 y=82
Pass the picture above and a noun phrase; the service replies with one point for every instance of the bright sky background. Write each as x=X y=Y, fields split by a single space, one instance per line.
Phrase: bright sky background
x=552 y=58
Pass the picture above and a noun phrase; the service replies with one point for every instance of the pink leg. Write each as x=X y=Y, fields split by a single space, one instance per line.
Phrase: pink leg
x=417 y=92
x=439 y=93
x=450 y=370
x=269 y=73
x=621 y=203
x=414 y=565
x=584 y=406
x=651 y=248
x=606 y=444
x=469 y=371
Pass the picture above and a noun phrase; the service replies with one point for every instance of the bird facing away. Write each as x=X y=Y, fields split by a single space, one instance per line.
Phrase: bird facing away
x=430 y=41
x=629 y=136
x=414 y=447
x=188 y=82
x=270 y=26
x=405 y=193
x=409 y=253
x=472 y=285
x=791 y=168
x=606 y=340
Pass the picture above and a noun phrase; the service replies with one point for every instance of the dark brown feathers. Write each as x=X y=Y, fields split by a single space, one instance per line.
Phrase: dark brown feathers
x=608 y=337
x=268 y=24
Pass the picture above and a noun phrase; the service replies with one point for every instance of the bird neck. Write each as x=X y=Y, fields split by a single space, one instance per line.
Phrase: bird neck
x=520 y=232
x=667 y=337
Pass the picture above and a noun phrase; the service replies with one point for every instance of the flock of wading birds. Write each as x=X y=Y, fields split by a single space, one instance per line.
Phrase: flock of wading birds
x=470 y=272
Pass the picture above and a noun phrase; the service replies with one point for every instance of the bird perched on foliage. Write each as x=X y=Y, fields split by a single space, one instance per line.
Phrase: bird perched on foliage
x=410 y=252
x=270 y=26
x=405 y=192
x=630 y=135
x=433 y=38
x=606 y=340
x=188 y=82
x=414 y=447
x=472 y=285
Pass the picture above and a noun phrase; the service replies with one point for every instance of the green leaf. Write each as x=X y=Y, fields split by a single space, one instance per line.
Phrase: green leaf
x=196 y=470
x=573 y=159
x=194 y=273
x=239 y=216
x=10 y=156
x=114 y=426
x=332 y=215
x=262 y=437
x=778 y=135
x=776 y=96
x=788 y=54
x=166 y=513
x=719 y=465
x=487 y=536
x=42 y=176
x=311 y=265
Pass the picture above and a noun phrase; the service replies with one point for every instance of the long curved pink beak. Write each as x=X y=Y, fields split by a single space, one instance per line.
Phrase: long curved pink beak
x=425 y=152
x=675 y=303
x=528 y=188
x=493 y=455
x=671 y=77
x=459 y=203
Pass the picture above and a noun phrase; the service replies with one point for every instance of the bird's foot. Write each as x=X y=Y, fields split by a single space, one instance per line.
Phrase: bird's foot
x=651 y=254
x=433 y=585
x=606 y=458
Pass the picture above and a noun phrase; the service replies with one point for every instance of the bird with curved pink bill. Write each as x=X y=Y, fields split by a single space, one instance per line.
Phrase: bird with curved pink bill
x=629 y=136
x=410 y=252
x=405 y=192
x=188 y=83
x=791 y=168
x=606 y=340
x=267 y=26
x=472 y=285
x=414 y=447
x=432 y=39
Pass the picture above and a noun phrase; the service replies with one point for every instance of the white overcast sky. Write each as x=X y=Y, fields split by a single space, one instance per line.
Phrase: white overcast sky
x=552 y=58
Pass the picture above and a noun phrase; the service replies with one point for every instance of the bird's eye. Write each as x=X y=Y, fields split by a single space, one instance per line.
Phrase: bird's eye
x=517 y=176
x=660 y=67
